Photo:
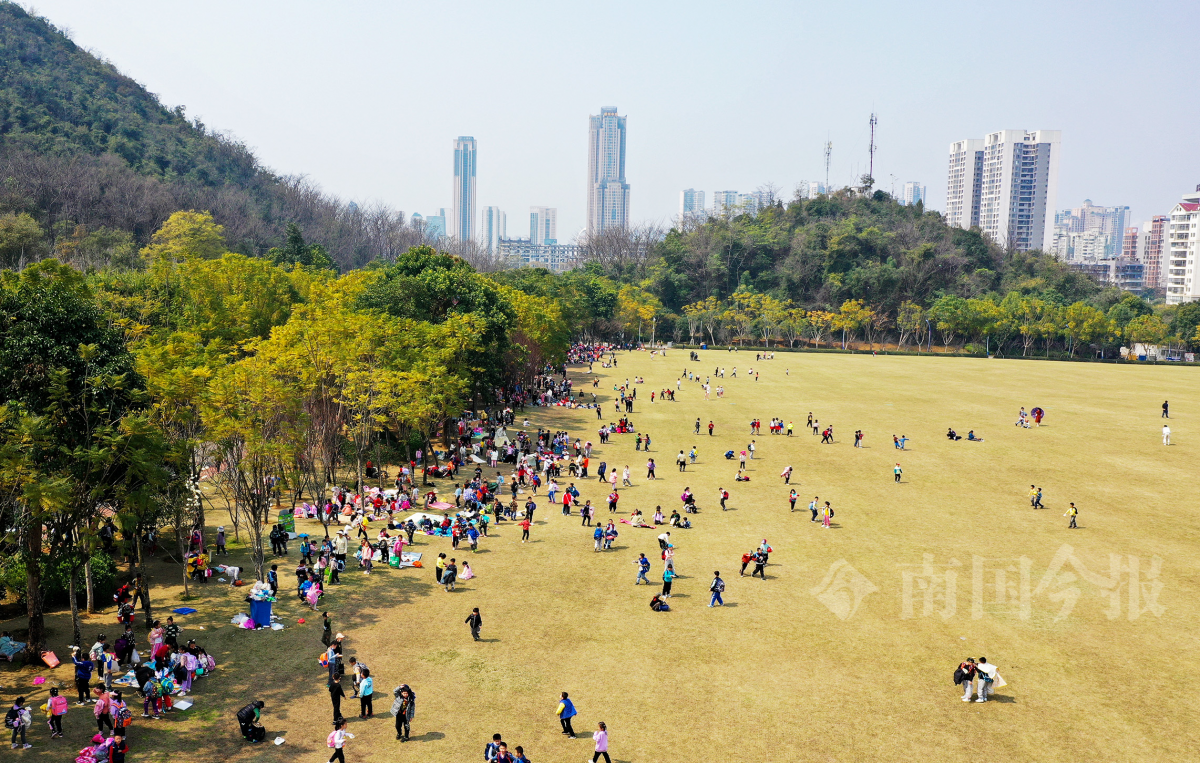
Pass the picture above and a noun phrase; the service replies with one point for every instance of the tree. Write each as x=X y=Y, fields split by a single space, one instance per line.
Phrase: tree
x=852 y=316
x=949 y=316
x=1082 y=323
x=20 y=240
x=1146 y=330
x=186 y=236
x=910 y=320
x=74 y=397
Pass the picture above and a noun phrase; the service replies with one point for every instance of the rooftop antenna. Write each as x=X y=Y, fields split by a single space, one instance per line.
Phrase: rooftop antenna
x=871 y=150
x=828 y=153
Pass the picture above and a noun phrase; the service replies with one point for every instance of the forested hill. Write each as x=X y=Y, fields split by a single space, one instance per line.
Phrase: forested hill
x=58 y=99
x=90 y=154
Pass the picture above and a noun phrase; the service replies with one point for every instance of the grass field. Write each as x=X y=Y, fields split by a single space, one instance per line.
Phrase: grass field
x=844 y=653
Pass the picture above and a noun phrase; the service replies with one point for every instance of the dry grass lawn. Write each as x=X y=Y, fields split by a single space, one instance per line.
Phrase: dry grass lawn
x=823 y=661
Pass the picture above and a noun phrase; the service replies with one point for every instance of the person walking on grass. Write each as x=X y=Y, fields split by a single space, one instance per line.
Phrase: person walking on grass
x=475 y=622
x=827 y=513
x=404 y=707
x=1072 y=513
x=792 y=499
x=717 y=587
x=897 y=471
x=760 y=564
x=966 y=676
x=565 y=712
x=1033 y=493
x=600 y=737
x=336 y=695
x=1165 y=415
x=814 y=507
x=525 y=529
x=1037 y=500
x=337 y=740
x=787 y=475
x=449 y=575
x=650 y=469
x=668 y=580
x=643 y=565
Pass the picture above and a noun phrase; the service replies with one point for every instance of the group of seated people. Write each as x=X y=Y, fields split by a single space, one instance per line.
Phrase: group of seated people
x=952 y=435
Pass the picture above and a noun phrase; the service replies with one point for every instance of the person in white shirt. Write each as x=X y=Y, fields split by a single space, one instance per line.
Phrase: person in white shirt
x=1166 y=435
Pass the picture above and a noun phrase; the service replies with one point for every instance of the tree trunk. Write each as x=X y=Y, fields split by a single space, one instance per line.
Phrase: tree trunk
x=141 y=564
x=91 y=594
x=33 y=591
x=76 y=634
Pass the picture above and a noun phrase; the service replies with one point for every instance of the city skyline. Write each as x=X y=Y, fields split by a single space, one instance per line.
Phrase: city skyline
x=322 y=116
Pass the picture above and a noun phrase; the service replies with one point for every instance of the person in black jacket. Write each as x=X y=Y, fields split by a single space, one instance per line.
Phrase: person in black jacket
x=248 y=719
x=336 y=694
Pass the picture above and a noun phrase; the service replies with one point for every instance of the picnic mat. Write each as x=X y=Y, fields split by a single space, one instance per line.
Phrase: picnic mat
x=407 y=559
x=441 y=506
x=184 y=611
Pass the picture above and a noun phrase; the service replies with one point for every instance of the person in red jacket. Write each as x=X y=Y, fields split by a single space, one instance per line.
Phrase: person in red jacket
x=525 y=529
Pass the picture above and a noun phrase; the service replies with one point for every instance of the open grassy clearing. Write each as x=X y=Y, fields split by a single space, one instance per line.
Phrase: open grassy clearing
x=790 y=669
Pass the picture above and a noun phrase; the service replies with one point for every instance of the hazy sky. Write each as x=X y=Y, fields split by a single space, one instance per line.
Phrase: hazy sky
x=366 y=97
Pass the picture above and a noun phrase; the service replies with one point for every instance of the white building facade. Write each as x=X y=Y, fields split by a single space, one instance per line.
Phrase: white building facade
x=543 y=225
x=1013 y=180
x=691 y=204
x=493 y=228
x=1183 y=256
x=914 y=193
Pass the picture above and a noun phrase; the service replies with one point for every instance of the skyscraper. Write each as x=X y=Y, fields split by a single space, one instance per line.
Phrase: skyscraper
x=608 y=193
x=494 y=227
x=1109 y=222
x=691 y=203
x=1013 y=179
x=463 y=227
x=543 y=225
x=816 y=188
x=913 y=193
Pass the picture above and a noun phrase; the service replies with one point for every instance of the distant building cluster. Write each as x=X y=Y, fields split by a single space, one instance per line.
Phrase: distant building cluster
x=724 y=203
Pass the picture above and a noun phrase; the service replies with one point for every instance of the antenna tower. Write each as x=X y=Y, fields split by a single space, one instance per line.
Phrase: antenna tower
x=871 y=150
x=828 y=153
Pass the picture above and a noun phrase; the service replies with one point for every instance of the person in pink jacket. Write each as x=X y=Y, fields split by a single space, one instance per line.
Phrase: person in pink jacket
x=103 y=709
x=601 y=739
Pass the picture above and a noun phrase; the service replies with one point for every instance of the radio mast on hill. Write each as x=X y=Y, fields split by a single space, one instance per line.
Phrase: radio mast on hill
x=871 y=150
x=828 y=153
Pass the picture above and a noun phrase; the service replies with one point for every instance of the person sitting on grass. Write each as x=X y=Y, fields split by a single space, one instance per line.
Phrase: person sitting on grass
x=658 y=605
x=952 y=435
x=972 y=438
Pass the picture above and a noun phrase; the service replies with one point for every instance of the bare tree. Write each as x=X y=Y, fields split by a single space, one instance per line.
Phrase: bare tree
x=622 y=251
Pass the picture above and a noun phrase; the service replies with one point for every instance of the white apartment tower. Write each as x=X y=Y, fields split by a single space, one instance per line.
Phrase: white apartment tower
x=913 y=193
x=494 y=228
x=543 y=225
x=1183 y=258
x=608 y=193
x=964 y=183
x=691 y=203
x=463 y=221
x=1020 y=186
x=1013 y=178
x=724 y=202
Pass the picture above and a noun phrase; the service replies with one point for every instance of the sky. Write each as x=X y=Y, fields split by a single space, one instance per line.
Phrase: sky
x=366 y=97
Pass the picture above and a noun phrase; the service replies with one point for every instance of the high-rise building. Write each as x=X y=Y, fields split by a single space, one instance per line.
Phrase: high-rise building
x=434 y=225
x=464 y=188
x=1111 y=221
x=749 y=203
x=725 y=202
x=1151 y=246
x=1129 y=247
x=964 y=183
x=913 y=193
x=816 y=189
x=1183 y=264
x=494 y=227
x=608 y=193
x=543 y=225
x=1011 y=177
x=1020 y=185
x=691 y=203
